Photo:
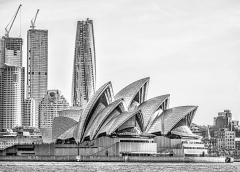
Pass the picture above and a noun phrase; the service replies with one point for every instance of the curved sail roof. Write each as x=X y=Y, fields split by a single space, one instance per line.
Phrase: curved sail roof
x=170 y=118
x=129 y=92
x=184 y=131
x=60 y=125
x=149 y=107
x=118 y=121
x=111 y=117
x=68 y=134
x=128 y=113
x=102 y=116
x=103 y=95
x=174 y=115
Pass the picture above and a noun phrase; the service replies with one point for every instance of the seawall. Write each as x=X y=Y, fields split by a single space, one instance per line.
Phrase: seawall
x=115 y=159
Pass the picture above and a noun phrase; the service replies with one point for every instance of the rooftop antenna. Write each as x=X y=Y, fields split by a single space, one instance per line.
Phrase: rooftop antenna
x=34 y=20
x=7 y=30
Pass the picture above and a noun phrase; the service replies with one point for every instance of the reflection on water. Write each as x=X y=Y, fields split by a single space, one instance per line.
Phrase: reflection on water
x=106 y=166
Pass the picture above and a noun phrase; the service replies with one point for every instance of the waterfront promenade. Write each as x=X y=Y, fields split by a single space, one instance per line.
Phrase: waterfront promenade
x=117 y=166
x=114 y=159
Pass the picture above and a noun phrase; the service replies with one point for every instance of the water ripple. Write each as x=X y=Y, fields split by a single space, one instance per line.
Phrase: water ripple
x=116 y=167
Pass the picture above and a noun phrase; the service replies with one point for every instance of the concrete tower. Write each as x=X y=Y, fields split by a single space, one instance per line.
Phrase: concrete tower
x=11 y=82
x=84 y=66
x=12 y=91
x=11 y=79
x=37 y=66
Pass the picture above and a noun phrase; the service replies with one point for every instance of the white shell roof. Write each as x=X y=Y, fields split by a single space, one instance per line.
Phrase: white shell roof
x=68 y=134
x=184 y=131
x=169 y=118
x=149 y=107
x=117 y=122
x=78 y=133
x=129 y=92
x=102 y=116
x=60 y=125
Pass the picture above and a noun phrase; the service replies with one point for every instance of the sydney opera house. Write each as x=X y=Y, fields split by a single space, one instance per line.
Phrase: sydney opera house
x=127 y=123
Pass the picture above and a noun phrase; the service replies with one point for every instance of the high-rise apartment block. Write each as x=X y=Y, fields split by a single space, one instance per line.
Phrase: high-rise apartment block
x=37 y=63
x=51 y=104
x=84 y=66
x=28 y=117
x=12 y=96
x=37 y=66
x=1 y=81
x=11 y=82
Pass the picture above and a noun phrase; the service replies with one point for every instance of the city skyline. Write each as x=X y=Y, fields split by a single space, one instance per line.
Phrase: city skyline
x=197 y=48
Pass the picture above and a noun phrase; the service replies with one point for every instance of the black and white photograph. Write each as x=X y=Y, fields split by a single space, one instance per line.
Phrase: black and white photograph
x=120 y=85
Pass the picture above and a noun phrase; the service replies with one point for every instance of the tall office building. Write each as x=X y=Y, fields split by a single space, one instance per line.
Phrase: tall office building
x=37 y=66
x=12 y=96
x=11 y=82
x=84 y=67
x=1 y=70
x=28 y=117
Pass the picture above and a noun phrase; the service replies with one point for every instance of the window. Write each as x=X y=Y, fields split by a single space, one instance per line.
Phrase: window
x=15 y=77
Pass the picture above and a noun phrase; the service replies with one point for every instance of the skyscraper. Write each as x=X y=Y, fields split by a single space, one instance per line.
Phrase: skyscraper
x=11 y=82
x=84 y=66
x=1 y=70
x=37 y=66
x=12 y=96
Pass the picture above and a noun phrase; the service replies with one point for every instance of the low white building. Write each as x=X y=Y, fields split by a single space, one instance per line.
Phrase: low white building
x=225 y=139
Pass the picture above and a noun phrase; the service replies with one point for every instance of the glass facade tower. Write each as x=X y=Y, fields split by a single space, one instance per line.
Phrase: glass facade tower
x=12 y=91
x=11 y=82
x=84 y=66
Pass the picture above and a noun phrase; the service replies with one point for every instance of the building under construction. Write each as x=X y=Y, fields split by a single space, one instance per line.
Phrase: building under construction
x=11 y=79
x=37 y=65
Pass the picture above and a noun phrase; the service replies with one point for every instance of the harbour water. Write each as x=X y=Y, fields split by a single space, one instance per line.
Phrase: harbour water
x=118 y=167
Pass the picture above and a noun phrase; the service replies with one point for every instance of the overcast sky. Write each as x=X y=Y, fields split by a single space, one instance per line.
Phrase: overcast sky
x=189 y=48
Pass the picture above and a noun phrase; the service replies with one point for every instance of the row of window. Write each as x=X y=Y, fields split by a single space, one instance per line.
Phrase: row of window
x=38 y=73
x=194 y=148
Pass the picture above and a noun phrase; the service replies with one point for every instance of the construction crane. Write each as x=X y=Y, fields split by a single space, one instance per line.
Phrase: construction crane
x=7 y=30
x=34 y=20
